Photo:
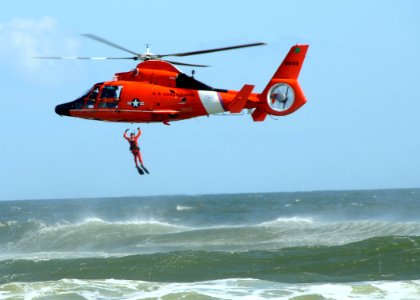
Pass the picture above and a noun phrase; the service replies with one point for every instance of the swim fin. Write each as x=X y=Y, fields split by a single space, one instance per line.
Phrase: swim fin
x=145 y=170
x=141 y=172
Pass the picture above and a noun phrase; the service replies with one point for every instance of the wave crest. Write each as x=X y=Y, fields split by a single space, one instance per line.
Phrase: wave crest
x=393 y=258
x=95 y=235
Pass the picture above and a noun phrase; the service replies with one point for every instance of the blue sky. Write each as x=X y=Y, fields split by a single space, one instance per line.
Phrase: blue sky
x=359 y=129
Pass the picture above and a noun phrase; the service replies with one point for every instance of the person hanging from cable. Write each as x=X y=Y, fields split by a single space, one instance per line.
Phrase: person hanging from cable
x=135 y=150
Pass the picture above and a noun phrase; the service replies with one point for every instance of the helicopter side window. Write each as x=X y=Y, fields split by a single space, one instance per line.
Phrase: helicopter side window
x=91 y=98
x=110 y=96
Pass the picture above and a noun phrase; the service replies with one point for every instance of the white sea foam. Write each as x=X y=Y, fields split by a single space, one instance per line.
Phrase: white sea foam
x=93 y=223
x=7 y=223
x=183 y=207
x=95 y=236
x=293 y=220
x=92 y=235
x=150 y=221
x=241 y=289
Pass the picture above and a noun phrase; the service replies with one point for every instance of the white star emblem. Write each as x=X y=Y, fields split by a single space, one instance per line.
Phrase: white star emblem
x=135 y=103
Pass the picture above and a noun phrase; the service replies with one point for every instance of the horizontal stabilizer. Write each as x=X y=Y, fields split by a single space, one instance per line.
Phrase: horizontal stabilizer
x=238 y=103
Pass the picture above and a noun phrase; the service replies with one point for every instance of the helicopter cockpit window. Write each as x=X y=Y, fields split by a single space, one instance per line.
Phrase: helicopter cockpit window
x=91 y=97
x=110 y=96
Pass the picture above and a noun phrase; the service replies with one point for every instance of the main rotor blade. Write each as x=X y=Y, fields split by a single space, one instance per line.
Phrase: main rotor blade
x=104 y=41
x=213 y=50
x=83 y=57
x=185 y=64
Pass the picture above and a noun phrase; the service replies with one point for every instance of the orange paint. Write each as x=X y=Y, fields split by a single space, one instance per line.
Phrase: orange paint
x=156 y=91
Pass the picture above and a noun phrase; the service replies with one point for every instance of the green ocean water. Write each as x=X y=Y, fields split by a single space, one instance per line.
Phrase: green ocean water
x=312 y=245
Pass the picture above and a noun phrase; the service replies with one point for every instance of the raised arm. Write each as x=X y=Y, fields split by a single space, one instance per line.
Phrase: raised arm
x=138 y=133
x=125 y=134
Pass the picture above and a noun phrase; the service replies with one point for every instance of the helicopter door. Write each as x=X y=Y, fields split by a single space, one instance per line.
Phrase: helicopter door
x=110 y=96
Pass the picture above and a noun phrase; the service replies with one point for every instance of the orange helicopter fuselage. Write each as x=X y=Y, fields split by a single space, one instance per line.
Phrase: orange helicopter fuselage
x=156 y=91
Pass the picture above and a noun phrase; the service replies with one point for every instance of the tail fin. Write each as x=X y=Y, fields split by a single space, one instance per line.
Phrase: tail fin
x=283 y=95
x=291 y=65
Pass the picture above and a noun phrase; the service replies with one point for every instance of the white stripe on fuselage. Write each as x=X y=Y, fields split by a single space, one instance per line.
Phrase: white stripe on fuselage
x=211 y=102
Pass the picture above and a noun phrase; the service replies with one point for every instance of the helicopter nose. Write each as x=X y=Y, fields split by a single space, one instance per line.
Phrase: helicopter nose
x=62 y=109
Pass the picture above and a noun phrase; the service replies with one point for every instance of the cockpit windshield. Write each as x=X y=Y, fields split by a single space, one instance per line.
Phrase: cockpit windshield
x=91 y=95
x=102 y=96
x=96 y=86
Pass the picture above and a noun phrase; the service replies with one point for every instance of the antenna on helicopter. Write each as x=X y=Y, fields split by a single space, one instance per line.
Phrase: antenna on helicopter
x=192 y=73
x=147 y=48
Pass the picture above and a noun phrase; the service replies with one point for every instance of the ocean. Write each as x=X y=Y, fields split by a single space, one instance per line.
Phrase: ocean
x=300 y=245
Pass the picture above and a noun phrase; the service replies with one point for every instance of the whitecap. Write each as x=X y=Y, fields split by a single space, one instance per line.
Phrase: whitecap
x=231 y=288
x=284 y=220
x=181 y=207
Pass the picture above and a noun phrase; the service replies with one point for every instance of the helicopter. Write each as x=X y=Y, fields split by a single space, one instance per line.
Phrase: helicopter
x=157 y=91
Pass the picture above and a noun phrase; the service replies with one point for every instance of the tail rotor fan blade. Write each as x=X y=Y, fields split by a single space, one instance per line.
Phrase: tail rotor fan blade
x=286 y=98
